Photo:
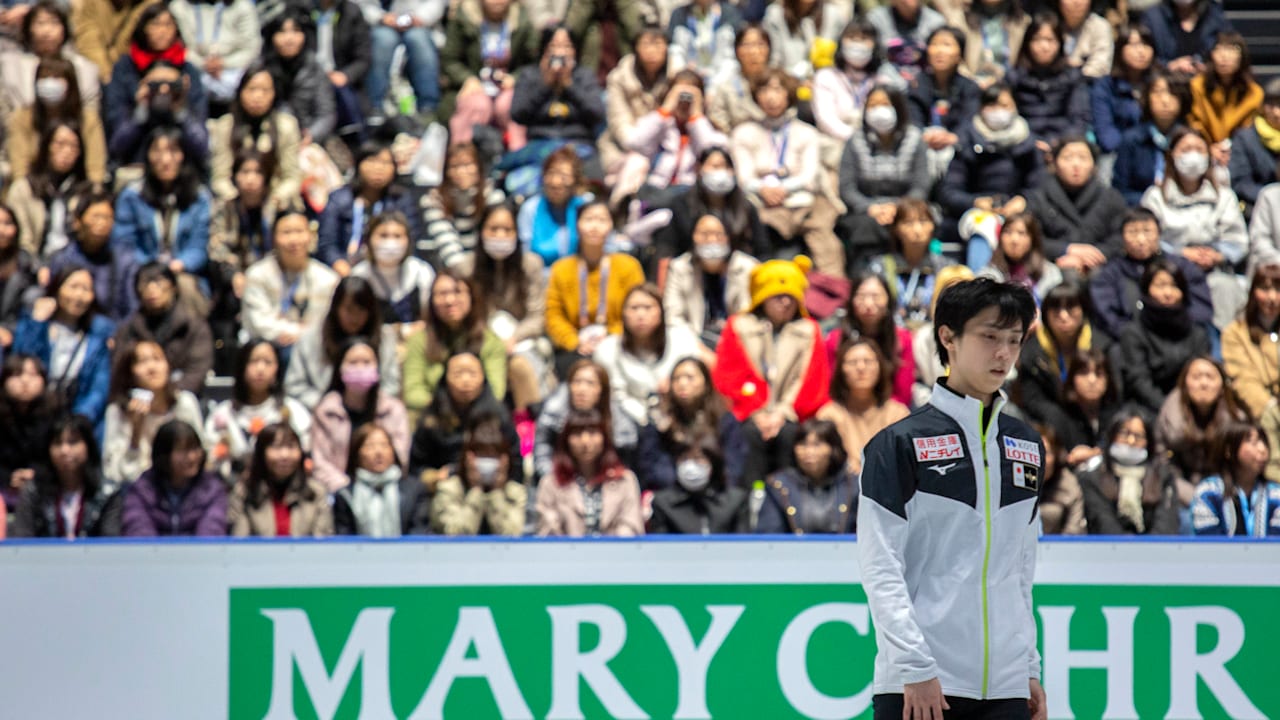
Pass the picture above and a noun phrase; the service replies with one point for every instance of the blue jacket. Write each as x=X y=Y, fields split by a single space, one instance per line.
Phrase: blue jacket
x=94 y=382
x=339 y=214
x=1162 y=22
x=787 y=493
x=1115 y=110
x=1212 y=515
x=979 y=169
x=118 y=96
x=113 y=275
x=656 y=466
x=1135 y=169
x=135 y=230
x=1252 y=165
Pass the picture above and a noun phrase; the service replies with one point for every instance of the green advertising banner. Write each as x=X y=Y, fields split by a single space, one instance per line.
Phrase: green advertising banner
x=714 y=651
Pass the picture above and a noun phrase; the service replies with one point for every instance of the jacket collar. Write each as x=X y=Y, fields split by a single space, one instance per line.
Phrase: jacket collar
x=962 y=408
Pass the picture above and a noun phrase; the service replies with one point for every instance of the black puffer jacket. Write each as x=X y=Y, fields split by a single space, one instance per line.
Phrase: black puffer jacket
x=981 y=169
x=1089 y=216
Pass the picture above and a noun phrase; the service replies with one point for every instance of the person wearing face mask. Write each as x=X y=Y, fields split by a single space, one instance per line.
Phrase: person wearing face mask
x=1191 y=421
x=706 y=285
x=688 y=408
x=817 y=496
x=371 y=192
x=67 y=498
x=1251 y=344
x=904 y=27
x=186 y=339
x=451 y=213
x=482 y=497
x=700 y=502
x=287 y=292
x=401 y=281
x=381 y=500
x=45 y=33
x=840 y=92
x=1079 y=214
x=57 y=101
x=793 y=26
x=716 y=191
x=176 y=497
x=1127 y=490
x=354 y=400
x=277 y=497
x=1240 y=501
x=1155 y=349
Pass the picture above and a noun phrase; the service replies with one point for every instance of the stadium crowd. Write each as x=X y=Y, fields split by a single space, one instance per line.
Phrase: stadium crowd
x=609 y=267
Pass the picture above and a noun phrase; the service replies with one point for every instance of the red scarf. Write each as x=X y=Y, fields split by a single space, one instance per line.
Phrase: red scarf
x=143 y=59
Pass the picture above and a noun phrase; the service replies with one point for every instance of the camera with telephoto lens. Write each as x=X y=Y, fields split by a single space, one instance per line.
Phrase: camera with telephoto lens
x=686 y=98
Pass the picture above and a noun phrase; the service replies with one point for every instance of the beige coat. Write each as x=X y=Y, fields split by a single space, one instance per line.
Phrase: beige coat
x=1254 y=369
x=1095 y=48
x=102 y=31
x=857 y=430
x=18 y=78
x=731 y=105
x=264 y=290
x=754 y=156
x=626 y=102
x=683 y=299
x=562 y=513
x=307 y=518
x=286 y=181
x=30 y=214
x=534 y=301
x=24 y=143
x=1062 y=511
x=788 y=355
x=974 y=64
x=456 y=510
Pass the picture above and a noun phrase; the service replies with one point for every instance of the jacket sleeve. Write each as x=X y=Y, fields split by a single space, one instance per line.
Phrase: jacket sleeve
x=882 y=539
x=1241 y=168
x=561 y=327
x=361 y=40
x=954 y=191
x=134 y=518
x=193 y=246
x=493 y=357
x=1099 y=512
x=1206 y=511
x=1104 y=122
x=550 y=524
x=507 y=507
x=1233 y=238
x=584 y=93
x=246 y=36
x=1247 y=380
x=653 y=465
x=237 y=519
x=95 y=386
x=535 y=319
x=324 y=109
x=734 y=445
x=344 y=520
x=23 y=519
x=530 y=97
x=849 y=192
x=826 y=112
x=329 y=247
x=287 y=183
x=260 y=312
x=454 y=67
x=327 y=467
x=1030 y=539
x=91 y=37
x=213 y=522
x=455 y=509
x=414 y=380
x=1079 y=111
x=769 y=518
x=128 y=233
x=630 y=519
x=1135 y=369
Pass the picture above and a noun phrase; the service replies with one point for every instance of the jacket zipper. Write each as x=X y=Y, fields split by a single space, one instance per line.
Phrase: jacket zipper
x=986 y=557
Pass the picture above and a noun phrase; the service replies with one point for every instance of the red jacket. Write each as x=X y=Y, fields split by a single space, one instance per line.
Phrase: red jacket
x=800 y=371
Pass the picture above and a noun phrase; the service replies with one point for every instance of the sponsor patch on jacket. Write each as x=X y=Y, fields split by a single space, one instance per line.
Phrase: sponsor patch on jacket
x=939 y=447
x=1025 y=477
x=1024 y=451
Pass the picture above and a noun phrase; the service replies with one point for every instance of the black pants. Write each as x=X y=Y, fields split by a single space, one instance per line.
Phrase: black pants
x=889 y=707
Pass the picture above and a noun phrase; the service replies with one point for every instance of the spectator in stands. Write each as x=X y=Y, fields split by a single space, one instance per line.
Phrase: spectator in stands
x=163 y=106
x=590 y=493
x=904 y=28
x=1201 y=221
x=67 y=498
x=155 y=38
x=460 y=400
x=1129 y=491
x=841 y=92
x=633 y=89
x=558 y=100
x=548 y=221
x=1225 y=97
x=257 y=122
x=994 y=30
x=1250 y=347
x=585 y=291
x=716 y=192
x=43 y=197
x=354 y=310
x=1155 y=349
x=166 y=217
x=381 y=500
x=1255 y=149
x=278 y=497
x=871 y=312
x=794 y=26
x=1042 y=366
x=240 y=229
x=913 y=263
x=257 y=401
x=885 y=160
x=1185 y=32
x=1240 y=501
x=301 y=83
x=143 y=398
x=1088 y=39
x=113 y=269
x=1089 y=399
x=924 y=345
x=1114 y=287
x=483 y=496
x=585 y=387
x=1116 y=98
x=1140 y=161
x=772 y=386
x=1079 y=213
x=730 y=103
x=456 y=320
x=344 y=52
x=222 y=39
x=66 y=332
x=1191 y=421
x=861 y=404
x=942 y=99
x=995 y=166
x=1061 y=501
x=401 y=281
x=410 y=23
x=701 y=502
x=58 y=101
x=778 y=165
x=701 y=36
x=18 y=285
x=103 y=30
x=451 y=213
x=354 y=400
x=174 y=496
x=642 y=356
x=186 y=340
x=706 y=286
x=687 y=410
x=819 y=495
x=372 y=192
x=1052 y=95
x=286 y=292
x=487 y=43
x=27 y=410
x=45 y=33
x=1019 y=257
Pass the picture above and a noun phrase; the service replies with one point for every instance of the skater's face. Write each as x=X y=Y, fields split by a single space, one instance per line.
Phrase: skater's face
x=981 y=356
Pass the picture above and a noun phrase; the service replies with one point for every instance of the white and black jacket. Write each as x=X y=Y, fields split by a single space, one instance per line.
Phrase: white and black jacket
x=947 y=531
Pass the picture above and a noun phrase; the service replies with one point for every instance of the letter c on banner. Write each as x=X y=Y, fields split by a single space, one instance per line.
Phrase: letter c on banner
x=793 y=671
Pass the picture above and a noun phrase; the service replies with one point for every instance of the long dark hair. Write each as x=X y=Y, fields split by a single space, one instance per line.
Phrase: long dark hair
x=1081 y=362
x=1243 y=78
x=442 y=414
x=60 y=278
x=186 y=187
x=368 y=149
x=51 y=8
x=71 y=107
x=45 y=404
x=1039 y=22
x=41 y=178
x=1266 y=275
x=336 y=384
x=1013 y=14
x=240 y=393
x=1227 y=447
x=827 y=432
x=1163 y=265
x=840 y=390
x=359 y=437
x=566 y=466
x=504 y=279
x=1118 y=67
x=257 y=484
x=332 y=336
x=152 y=12
x=122 y=374
x=658 y=343
x=885 y=333
x=244 y=129
x=1034 y=259
x=171 y=436
x=439 y=336
x=791 y=14
x=737 y=211
x=446 y=189
x=679 y=424
x=80 y=427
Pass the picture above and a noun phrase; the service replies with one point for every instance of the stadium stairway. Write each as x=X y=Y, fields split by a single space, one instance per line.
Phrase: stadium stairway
x=1259 y=22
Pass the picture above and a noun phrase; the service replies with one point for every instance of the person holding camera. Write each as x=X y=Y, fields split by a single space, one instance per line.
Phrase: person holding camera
x=409 y=23
x=160 y=100
x=155 y=39
x=558 y=100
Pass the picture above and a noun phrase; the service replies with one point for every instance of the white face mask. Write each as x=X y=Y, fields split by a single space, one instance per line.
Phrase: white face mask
x=719 y=182
x=881 y=118
x=1184 y=3
x=712 y=251
x=998 y=118
x=1128 y=454
x=856 y=53
x=487 y=470
x=1192 y=164
x=389 y=252
x=51 y=89
x=693 y=475
x=499 y=248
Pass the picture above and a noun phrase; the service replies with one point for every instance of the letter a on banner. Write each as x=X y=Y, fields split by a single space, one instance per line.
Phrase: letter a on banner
x=475 y=627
